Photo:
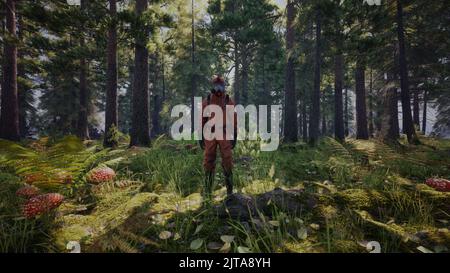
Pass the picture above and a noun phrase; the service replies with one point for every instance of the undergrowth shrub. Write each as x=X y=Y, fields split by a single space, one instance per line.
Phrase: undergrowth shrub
x=17 y=234
x=173 y=167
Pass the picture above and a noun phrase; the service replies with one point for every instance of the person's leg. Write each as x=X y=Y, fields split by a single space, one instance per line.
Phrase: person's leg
x=227 y=164
x=209 y=164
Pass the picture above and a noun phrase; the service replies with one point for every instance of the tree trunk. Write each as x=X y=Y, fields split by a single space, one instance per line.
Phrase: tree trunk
x=395 y=121
x=416 y=109
x=361 y=109
x=290 y=117
x=140 y=126
x=389 y=127
x=155 y=131
x=299 y=120
x=371 y=121
x=314 y=116
x=408 y=125
x=338 y=104
x=346 y=114
x=305 y=123
x=425 y=109
x=156 y=127
x=21 y=75
x=111 y=112
x=194 y=67
x=83 y=131
x=237 y=82
x=9 y=116
x=244 y=75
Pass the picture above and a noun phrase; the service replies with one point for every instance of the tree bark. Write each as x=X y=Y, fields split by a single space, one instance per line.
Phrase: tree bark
x=290 y=117
x=371 y=121
x=244 y=75
x=416 y=109
x=425 y=109
x=324 y=125
x=338 y=103
x=140 y=126
x=237 y=82
x=9 y=116
x=346 y=114
x=111 y=113
x=389 y=127
x=21 y=88
x=314 y=116
x=305 y=123
x=361 y=109
x=408 y=125
x=155 y=131
x=194 y=75
x=83 y=131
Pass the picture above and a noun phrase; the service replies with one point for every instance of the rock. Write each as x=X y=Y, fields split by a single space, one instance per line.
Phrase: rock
x=291 y=201
x=237 y=206
x=243 y=207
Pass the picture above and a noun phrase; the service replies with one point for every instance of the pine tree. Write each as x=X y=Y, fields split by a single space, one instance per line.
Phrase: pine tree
x=140 y=124
x=111 y=112
x=9 y=116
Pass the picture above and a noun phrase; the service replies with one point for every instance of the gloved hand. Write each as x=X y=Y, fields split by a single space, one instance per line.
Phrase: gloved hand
x=202 y=144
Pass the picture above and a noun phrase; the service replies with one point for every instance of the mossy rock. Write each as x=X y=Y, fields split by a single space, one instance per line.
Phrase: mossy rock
x=346 y=246
x=78 y=233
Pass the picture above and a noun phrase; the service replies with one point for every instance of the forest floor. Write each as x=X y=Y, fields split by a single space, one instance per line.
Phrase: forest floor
x=331 y=198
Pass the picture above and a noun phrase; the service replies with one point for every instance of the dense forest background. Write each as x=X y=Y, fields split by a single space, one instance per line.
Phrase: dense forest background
x=87 y=89
x=339 y=68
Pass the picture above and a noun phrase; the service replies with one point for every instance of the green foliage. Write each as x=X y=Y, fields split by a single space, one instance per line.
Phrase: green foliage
x=17 y=234
x=113 y=136
x=185 y=175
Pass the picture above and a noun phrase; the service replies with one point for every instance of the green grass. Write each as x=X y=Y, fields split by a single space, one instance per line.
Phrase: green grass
x=159 y=208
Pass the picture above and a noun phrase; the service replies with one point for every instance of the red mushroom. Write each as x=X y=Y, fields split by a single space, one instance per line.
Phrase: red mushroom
x=42 y=204
x=100 y=175
x=27 y=191
x=439 y=184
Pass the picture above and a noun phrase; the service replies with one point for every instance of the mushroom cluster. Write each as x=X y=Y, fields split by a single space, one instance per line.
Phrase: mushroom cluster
x=42 y=204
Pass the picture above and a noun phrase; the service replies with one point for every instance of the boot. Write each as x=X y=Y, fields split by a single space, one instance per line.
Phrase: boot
x=229 y=182
x=209 y=180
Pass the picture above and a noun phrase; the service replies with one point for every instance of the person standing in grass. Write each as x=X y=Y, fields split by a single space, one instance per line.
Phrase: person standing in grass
x=226 y=143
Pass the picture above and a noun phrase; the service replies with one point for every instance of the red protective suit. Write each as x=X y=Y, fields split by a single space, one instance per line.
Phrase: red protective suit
x=225 y=145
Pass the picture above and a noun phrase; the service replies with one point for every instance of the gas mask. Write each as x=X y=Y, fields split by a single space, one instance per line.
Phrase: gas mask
x=218 y=89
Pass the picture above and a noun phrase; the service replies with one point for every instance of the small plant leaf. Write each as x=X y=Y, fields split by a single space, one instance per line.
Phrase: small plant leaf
x=164 y=235
x=198 y=229
x=424 y=249
x=225 y=248
x=242 y=249
x=274 y=223
x=314 y=226
x=214 y=245
x=272 y=171
x=302 y=233
x=227 y=238
x=196 y=244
